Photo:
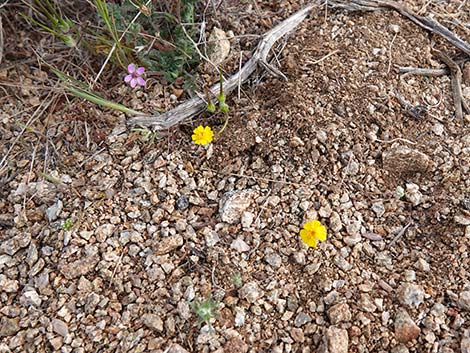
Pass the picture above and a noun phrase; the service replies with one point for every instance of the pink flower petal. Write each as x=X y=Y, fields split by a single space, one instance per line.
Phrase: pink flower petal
x=128 y=78
x=141 y=81
x=140 y=70
x=131 y=68
x=133 y=82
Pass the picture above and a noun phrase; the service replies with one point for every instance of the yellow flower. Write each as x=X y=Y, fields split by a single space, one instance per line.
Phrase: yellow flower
x=202 y=135
x=313 y=231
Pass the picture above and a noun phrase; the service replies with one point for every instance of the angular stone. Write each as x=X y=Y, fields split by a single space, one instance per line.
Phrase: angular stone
x=301 y=319
x=233 y=204
x=401 y=159
x=274 y=259
x=175 y=348
x=464 y=300
x=153 y=321
x=9 y=327
x=79 y=267
x=168 y=244
x=411 y=295
x=337 y=339
x=251 y=292
x=12 y=245
x=240 y=245
x=339 y=313
x=405 y=328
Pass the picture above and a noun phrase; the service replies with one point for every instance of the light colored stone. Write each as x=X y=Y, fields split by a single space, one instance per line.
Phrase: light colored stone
x=153 y=321
x=339 y=313
x=411 y=295
x=239 y=245
x=464 y=300
x=219 y=46
x=168 y=244
x=60 y=327
x=251 y=292
x=337 y=340
x=233 y=204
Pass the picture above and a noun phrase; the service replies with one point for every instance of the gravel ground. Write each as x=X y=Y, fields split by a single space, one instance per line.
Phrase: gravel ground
x=107 y=250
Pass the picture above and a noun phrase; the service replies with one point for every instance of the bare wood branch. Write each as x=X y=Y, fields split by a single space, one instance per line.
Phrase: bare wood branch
x=410 y=70
x=197 y=104
x=426 y=22
x=456 y=74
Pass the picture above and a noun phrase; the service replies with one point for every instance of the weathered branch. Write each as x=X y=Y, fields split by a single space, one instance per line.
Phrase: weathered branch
x=197 y=105
x=456 y=74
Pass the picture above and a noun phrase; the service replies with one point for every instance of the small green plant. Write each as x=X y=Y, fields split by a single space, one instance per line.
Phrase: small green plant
x=237 y=280
x=205 y=311
x=146 y=135
x=68 y=224
x=53 y=21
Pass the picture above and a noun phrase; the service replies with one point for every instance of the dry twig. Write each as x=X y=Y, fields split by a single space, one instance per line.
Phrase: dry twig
x=456 y=74
x=410 y=70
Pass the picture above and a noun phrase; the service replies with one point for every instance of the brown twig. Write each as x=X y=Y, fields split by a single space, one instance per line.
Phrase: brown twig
x=456 y=75
x=196 y=105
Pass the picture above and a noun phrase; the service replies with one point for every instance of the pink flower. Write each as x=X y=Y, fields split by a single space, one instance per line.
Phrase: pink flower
x=134 y=78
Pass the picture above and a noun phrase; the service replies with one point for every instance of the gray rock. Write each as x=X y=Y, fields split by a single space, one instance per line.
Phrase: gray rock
x=401 y=348
x=239 y=316
x=378 y=208
x=60 y=327
x=413 y=194
x=339 y=313
x=411 y=295
x=422 y=265
x=251 y=292
x=31 y=297
x=463 y=220
x=175 y=348
x=274 y=259
x=8 y=285
x=335 y=222
x=153 y=321
x=182 y=203
x=233 y=204
x=53 y=211
x=405 y=328
x=337 y=340
x=247 y=219
x=240 y=245
x=211 y=238
x=14 y=244
x=301 y=319
x=9 y=327
x=104 y=231
x=401 y=159
x=464 y=300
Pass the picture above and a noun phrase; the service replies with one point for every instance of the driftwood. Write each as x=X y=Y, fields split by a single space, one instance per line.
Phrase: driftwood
x=196 y=105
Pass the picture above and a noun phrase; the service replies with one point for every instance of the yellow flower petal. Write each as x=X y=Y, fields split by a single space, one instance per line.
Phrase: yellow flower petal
x=320 y=233
x=313 y=232
x=202 y=135
x=308 y=238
